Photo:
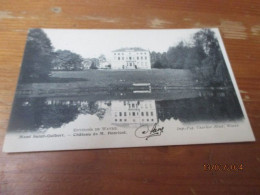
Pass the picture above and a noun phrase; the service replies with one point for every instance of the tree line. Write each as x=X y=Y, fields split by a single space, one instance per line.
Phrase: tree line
x=203 y=56
x=40 y=59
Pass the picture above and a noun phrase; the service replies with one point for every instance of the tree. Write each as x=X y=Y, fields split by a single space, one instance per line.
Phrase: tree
x=212 y=66
x=93 y=66
x=67 y=60
x=102 y=58
x=176 y=56
x=38 y=54
x=158 y=64
x=193 y=58
x=206 y=41
x=159 y=60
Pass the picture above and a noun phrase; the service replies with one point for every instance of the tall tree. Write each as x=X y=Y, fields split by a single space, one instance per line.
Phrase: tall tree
x=212 y=64
x=176 y=56
x=38 y=54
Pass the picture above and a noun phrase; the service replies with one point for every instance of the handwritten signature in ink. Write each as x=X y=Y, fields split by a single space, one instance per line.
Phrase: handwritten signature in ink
x=145 y=132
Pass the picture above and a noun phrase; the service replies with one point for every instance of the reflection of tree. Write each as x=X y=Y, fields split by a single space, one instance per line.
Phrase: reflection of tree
x=92 y=108
x=33 y=113
x=57 y=115
x=101 y=113
x=214 y=108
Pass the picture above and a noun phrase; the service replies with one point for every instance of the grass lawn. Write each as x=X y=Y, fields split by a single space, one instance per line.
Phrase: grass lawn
x=111 y=81
x=103 y=78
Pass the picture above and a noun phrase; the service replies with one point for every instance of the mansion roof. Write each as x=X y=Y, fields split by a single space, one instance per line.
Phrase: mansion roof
x=127 y=49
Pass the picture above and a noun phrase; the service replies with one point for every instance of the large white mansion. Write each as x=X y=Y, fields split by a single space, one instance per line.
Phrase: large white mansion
x=131 y=58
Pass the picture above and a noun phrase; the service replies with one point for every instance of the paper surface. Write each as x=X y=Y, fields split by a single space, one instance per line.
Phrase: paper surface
x=87 y=89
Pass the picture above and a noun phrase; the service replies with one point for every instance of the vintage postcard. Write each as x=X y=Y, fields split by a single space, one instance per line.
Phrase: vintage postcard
x=87 y=89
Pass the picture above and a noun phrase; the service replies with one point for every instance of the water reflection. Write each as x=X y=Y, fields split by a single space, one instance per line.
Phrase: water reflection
x=134 y=112
x=37 y=113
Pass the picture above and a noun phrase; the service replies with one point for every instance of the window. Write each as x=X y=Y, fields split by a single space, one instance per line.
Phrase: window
x=130 y=58
x=115 y=119
x=145 y=57
x=133 y=113
x=120 y=120
x=125 y=119
x=147 y=119
x=142 y=113
x=151 y=113
x=133 y=105
x=141 y=57
x=120 y=113
x=118 y=58
x=137 y=58
x=124 y=113
x=147 y=114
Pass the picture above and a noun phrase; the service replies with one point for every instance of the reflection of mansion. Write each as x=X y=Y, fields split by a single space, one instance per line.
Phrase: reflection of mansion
x=134 y=112
x=65 y=102
x=120 y=111
x=131 y=58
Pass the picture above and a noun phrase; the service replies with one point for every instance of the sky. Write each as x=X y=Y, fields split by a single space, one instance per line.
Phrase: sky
x=93 y=43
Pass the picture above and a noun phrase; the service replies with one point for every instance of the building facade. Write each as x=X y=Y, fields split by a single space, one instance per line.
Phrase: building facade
x=131 y=58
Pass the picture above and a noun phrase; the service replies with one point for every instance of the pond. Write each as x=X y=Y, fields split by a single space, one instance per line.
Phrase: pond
x=125 y=108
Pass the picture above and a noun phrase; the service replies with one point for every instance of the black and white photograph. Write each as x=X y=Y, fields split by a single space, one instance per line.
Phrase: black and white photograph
x=88 y=89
